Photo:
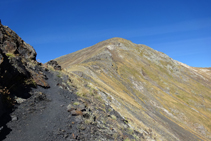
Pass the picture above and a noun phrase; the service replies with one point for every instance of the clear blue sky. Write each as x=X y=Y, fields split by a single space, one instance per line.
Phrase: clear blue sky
x=179 y=28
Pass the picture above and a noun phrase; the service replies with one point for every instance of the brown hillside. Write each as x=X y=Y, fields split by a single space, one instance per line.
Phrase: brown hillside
x=156 y=94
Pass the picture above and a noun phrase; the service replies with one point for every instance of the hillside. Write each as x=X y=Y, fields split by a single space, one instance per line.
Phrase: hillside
x=158 y=96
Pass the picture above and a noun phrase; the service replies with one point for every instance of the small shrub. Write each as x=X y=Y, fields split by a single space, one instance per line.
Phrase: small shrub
x=113 y=117
x=76 y=103
x=10 y=55
x=98 y=97
x=88 y=121
x=102 y=109
x=51 y=68
x=125 y=121
x=136 y=137
x=6 y=97
x=69 y=83
x=109 y=98
x=82 y=91
x=130 y=131
x=103 y=105
x=59 y=75
x=115 y=135
x=78 y=93
x=126 y=139
x=30 y=82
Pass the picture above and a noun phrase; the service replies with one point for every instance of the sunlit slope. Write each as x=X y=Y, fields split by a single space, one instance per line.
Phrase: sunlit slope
x=154 y=92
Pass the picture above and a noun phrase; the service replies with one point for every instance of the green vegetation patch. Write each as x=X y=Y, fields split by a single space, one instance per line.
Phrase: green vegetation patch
x=113 y=117
x=76 y=103
x=10 y=55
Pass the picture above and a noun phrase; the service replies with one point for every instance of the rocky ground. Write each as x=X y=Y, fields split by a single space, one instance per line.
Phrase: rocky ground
x=57 y=113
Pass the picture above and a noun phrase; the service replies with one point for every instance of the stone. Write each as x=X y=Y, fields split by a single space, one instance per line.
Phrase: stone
x=20 y=100
x=55 y=65
x=40 y=97
x=82 y=127
x=76 y=113
x=1 y=128
x=14 y=118
x=69 y=107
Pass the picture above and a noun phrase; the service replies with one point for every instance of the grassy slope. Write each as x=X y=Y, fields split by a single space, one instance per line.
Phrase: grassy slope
x=158 y=92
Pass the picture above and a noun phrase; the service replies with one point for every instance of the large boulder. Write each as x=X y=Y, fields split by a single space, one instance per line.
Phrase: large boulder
x=54 y=64
x=10 y=42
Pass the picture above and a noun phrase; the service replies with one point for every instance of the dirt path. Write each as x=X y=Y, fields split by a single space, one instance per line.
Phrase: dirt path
x=45 y=118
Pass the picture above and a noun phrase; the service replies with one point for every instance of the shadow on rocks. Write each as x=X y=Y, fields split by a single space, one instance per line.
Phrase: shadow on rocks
x=4 y=130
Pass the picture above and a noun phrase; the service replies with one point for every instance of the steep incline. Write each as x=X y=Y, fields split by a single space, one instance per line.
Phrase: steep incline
x=156 y=94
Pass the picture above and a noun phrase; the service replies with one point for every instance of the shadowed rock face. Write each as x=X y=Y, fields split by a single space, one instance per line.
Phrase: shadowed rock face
x=147 y=87
x=11 y=43
x=19 y=69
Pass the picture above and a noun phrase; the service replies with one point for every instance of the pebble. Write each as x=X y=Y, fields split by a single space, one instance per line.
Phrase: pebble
x=65 y=136
x=1 y=128
x=20 y=100
x=14 y=117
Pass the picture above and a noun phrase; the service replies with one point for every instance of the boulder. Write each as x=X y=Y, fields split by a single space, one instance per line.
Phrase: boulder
x=54 y=64
x=11 y=43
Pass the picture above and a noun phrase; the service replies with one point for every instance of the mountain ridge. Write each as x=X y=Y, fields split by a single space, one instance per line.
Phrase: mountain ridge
x=126 y=70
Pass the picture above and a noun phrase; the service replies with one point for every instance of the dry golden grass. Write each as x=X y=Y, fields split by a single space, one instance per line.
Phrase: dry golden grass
x=184 y=92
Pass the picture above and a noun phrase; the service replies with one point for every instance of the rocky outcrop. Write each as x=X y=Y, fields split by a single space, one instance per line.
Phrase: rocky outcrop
x=19 y=69
x=11 y=43
x=54 y=64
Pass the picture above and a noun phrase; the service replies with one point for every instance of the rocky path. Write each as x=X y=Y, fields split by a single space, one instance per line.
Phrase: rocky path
x=58 y=114
x=45 y=118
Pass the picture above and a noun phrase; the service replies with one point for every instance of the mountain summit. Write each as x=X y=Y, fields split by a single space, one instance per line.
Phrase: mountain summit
x=156 y=94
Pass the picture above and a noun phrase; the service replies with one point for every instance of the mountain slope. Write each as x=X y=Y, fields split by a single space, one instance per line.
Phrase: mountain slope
x=43 y=102
x=157 y=95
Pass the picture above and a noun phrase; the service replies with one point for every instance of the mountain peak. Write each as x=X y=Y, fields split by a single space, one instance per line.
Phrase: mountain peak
x=149 y=84
x=117 y=39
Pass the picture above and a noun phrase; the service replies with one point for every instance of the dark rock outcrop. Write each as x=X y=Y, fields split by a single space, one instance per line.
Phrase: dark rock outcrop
x=19 y=70
x=10 y=42
x=54 y=64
